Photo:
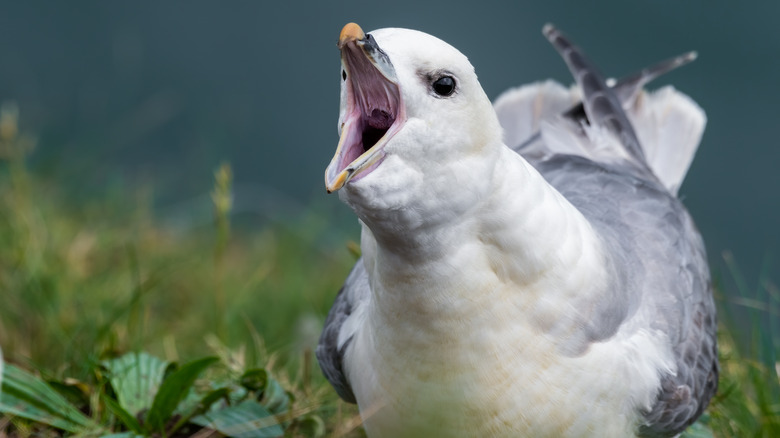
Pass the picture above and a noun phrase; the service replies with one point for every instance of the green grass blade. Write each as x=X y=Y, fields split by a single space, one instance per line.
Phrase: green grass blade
x=123 y=435
x=212 y=397
x=136 y=378
x=27 y=396
x=125 y=417
x=248 y=419
x=19 y=407
x=174 y=389
x=313 y=426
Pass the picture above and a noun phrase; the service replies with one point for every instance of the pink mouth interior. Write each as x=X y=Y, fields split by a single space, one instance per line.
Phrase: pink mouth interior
x=373 y=105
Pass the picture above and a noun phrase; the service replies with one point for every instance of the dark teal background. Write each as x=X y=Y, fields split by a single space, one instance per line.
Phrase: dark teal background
x=162 y=92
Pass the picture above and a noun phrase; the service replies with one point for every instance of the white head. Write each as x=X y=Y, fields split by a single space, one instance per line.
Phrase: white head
x=418 y=134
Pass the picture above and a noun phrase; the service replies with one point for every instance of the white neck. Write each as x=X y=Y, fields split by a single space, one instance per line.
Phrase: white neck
x=521 y=235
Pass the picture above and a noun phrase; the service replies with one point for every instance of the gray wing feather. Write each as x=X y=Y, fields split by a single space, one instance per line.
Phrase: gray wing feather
x=340 y=327
x=628 y=87
x=647 y=232
x=601 y=103
x=684 y=395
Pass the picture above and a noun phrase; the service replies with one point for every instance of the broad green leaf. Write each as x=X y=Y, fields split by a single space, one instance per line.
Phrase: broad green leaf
x=136 y=378
x=20 y=407
x=188 y=404
x=248 y=419
x=275 y=398
x=237 y=395
x=173 y=390
x=27 y=396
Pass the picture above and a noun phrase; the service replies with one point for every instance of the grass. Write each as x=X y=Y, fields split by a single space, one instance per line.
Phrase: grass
x=84 y=283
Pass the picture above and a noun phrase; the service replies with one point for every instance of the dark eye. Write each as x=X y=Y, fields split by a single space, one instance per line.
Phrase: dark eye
x=343 y=75
x=444 y=86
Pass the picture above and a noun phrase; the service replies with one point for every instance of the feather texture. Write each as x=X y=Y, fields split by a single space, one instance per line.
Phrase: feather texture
x=557 y=288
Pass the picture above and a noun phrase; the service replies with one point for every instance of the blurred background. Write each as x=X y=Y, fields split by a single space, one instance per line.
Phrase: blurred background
x=118 y=95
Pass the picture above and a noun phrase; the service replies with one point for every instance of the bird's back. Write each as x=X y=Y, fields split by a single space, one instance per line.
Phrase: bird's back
x=630 y=200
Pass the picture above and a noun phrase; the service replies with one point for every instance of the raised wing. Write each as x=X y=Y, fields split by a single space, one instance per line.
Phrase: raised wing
x=544 y=119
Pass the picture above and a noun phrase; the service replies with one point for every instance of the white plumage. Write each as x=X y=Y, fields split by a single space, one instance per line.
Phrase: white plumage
x=513 y=294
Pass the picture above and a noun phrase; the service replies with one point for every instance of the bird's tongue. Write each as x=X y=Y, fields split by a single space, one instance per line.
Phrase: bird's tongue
x=380 y=119
x=375 y=127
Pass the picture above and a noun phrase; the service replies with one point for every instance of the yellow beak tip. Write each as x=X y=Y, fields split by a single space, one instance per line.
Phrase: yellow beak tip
x=350 y=32
x=337 y=183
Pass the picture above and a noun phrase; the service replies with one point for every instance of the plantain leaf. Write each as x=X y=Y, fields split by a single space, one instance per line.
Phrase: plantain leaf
x=27 y=396
x=173 y=390
x=136 y=378
x=248 y=419
x=275 y=398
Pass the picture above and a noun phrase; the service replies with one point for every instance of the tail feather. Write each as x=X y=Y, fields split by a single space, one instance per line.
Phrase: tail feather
x=544 y=119
x=601 y=103
x=522 y=110
x=669 y=125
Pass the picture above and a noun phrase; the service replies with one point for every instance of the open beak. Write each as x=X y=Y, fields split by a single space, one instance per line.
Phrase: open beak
x=374 y=111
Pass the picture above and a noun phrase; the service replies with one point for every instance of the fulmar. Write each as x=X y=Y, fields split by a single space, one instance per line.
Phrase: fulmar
x=527 y=269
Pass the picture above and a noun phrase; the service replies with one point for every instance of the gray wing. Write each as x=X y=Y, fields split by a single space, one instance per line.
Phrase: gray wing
x=626 y=88
x=660 y=266
x=343 y=321
x=601 y=103
x=649 y=234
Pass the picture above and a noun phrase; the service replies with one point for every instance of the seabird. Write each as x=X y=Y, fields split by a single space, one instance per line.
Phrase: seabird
x=527 y=269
